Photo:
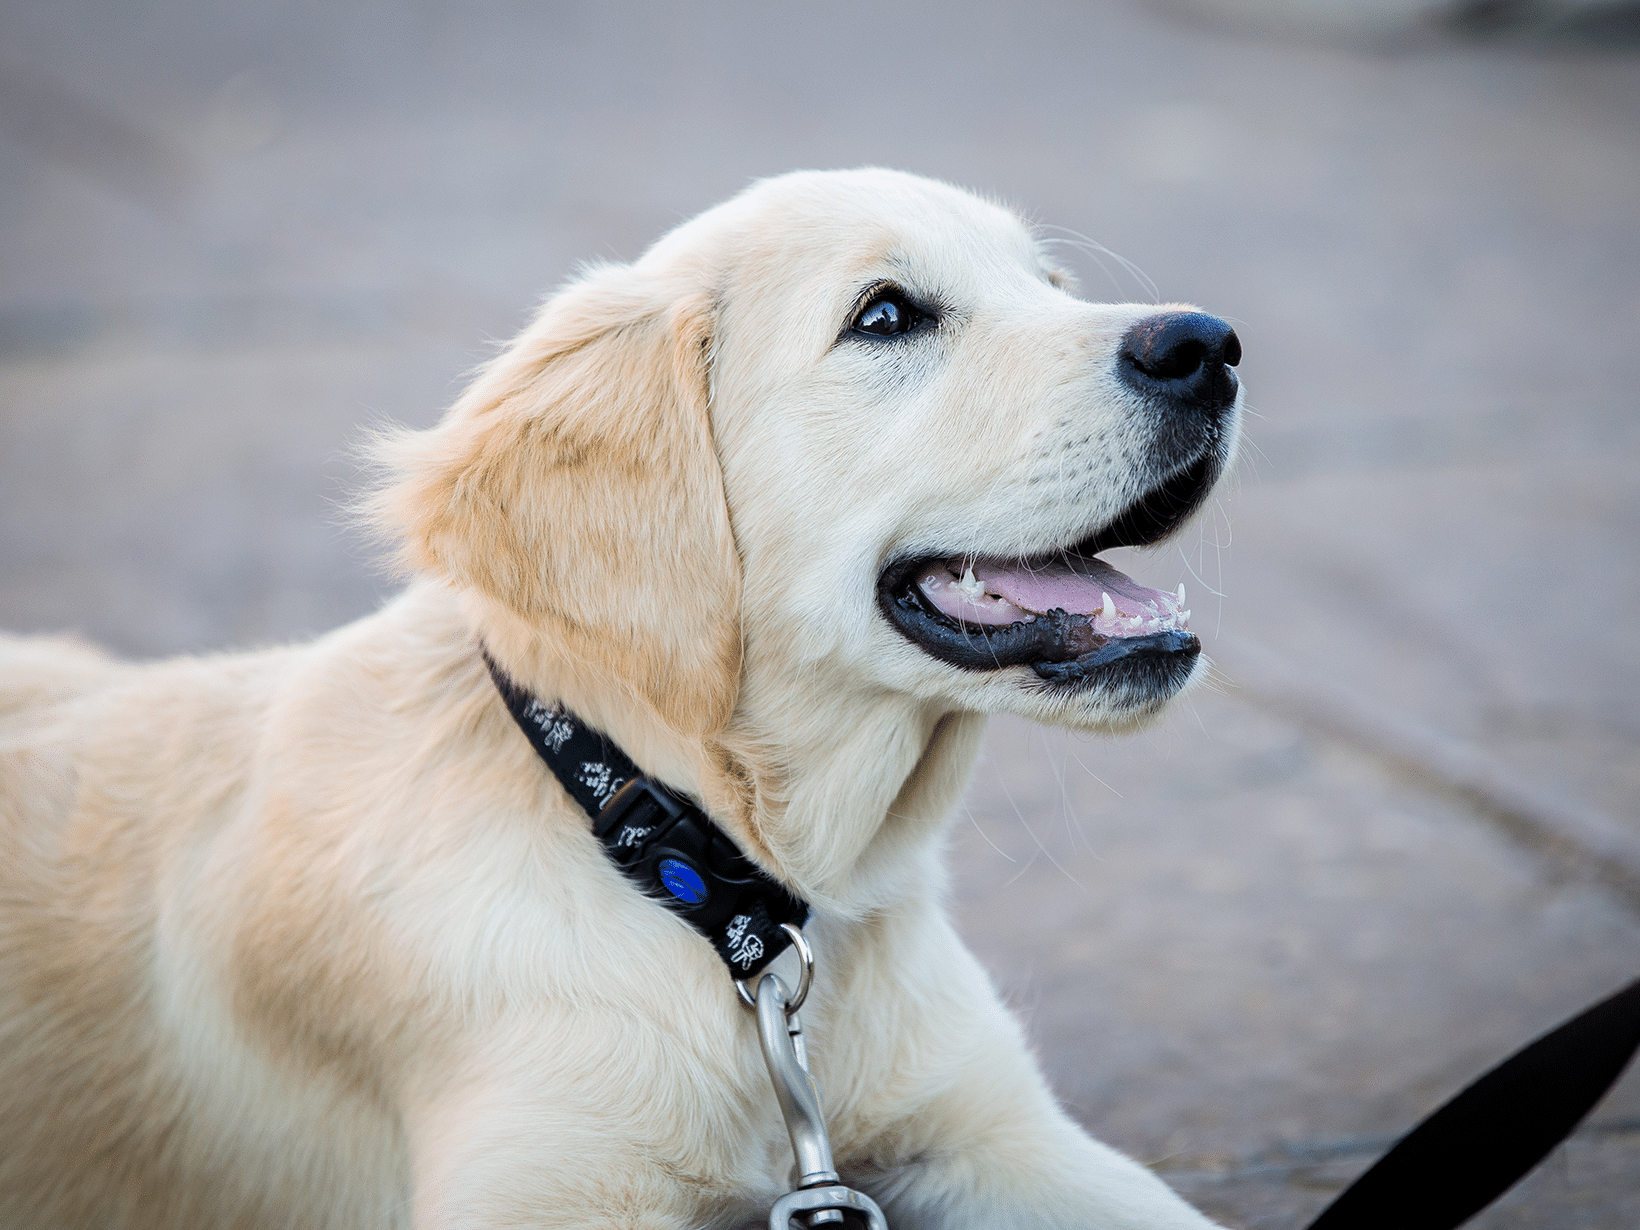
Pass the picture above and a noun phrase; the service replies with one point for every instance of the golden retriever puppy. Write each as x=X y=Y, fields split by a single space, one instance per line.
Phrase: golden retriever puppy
x=310 y=937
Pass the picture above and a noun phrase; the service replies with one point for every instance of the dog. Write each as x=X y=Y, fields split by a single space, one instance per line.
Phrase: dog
x=310 y=937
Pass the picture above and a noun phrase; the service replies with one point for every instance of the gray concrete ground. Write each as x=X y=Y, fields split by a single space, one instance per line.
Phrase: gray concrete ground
x=1394 y=840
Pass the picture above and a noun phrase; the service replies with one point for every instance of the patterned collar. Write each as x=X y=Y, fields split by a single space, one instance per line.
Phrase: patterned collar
x=662 y=840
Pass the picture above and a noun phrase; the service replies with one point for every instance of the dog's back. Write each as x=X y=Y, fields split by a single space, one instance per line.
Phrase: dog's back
x=114 y=778
x=40 y=679
x=38 y=672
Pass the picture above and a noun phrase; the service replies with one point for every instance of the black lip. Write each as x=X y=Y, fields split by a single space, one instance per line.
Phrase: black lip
x=1060 y=646
x=1146 y=667
x=1053 y=638
x=1158 y=512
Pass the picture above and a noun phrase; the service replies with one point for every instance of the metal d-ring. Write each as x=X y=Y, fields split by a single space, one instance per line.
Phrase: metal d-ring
x=804 y=979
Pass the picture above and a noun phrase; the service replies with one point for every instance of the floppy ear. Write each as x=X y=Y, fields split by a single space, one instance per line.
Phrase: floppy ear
x=576 y=485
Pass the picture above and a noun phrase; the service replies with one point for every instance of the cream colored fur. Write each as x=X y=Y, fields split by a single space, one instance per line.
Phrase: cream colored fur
x=310 y=938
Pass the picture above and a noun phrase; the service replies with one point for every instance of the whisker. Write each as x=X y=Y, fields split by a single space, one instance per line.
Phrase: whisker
x=974 y=820
x=1196 y=576
x=1026 y=825
x=1095 y=249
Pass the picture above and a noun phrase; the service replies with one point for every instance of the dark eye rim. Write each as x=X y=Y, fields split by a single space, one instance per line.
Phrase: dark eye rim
x=923 y=317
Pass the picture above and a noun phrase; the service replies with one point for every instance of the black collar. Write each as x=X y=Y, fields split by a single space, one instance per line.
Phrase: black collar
x=662 y=840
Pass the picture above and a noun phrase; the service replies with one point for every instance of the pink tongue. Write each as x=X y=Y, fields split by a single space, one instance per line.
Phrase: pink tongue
x=997 y=592
x=1078 y=588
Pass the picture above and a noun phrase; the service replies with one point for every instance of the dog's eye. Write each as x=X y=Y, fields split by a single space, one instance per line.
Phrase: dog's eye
x=888 y=313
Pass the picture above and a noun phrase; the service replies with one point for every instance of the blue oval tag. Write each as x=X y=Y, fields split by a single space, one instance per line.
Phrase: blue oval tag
x=682 y=881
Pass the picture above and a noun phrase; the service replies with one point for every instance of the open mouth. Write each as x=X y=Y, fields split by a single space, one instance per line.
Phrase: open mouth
x=1068 y=615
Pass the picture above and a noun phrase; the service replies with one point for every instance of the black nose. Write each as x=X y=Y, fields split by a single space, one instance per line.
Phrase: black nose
x=1185 y=357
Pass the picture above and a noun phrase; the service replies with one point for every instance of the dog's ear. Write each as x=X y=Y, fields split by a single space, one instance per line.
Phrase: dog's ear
x=576 y=485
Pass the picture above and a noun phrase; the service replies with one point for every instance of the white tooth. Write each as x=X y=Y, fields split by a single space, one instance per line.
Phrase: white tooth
x=972 y=589
x=1185 y=618
x=1109 y=608
x=1181 y=595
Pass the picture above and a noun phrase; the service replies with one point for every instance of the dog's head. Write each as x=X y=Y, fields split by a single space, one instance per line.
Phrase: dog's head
x=848 y=431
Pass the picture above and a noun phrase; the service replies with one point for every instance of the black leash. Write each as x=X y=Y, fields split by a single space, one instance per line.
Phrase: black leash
x=1473 y=1149
x=662 y=840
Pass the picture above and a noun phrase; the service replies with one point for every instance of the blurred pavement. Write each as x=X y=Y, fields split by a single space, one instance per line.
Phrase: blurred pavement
x=1396 y=838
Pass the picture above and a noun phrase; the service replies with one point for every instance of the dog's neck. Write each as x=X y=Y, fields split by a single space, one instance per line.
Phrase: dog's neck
x=851 y=795
x=844 y=799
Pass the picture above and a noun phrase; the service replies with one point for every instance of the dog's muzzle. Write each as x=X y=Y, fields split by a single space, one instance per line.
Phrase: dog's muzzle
x=1071 y=617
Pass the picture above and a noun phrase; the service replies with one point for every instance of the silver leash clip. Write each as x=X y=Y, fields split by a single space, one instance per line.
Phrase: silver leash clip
x=821 y=1199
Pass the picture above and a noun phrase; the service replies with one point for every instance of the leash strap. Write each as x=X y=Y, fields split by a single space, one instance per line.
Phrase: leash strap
x=1474 y=1148
x=663 y=841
